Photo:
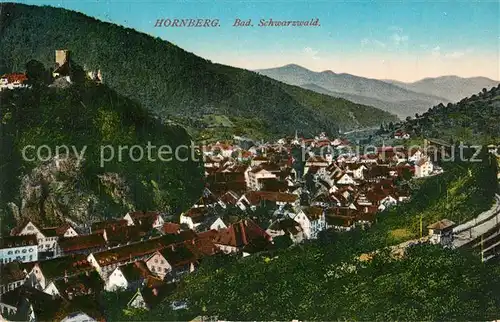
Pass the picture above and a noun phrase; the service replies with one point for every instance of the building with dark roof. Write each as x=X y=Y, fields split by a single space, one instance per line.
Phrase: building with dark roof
x=18 y=248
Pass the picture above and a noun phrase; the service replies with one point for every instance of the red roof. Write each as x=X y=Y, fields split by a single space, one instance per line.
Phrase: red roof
x=171 y=228
x=15 y=77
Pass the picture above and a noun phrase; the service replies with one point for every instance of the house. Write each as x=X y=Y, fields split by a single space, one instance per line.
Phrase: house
x=28 y=304
x=258 y=160
x=194 y=217
x=146 y=219
x=316 y=161
x=243 y=236
x=106 y=261
x=18 y=248
x=211 y=223
x=99 y=227
x=356 y=169
x=151 y=294
x=423 y=168
x=286 y=227
x=130 y=276
x=174 y=261
x=316 y=218
x=229 y=198
x=441 y=232
x=253 y=199
x=84 y=244
x=13 y=81
x=88 y=283
x=47 y=237
x=47 y=271
x=255 y=175
x=301 y=218
x=400 y=134
x=344 y=179
x=415 y=155
x=124 y=235
x=12 y=275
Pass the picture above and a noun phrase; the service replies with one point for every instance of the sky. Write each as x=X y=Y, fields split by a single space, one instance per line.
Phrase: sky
x=404 y=41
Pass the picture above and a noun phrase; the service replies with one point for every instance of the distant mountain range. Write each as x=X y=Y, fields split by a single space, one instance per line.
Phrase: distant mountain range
x=452 y=88
x=396 y=97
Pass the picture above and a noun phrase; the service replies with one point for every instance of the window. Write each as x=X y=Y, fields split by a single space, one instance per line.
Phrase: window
x=165 y=270
x=31 y=250
x=9 y=252
x=24 y=251
x=17 y=251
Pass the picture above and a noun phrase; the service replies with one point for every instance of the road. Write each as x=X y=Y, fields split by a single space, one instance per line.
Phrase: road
x=478 y=226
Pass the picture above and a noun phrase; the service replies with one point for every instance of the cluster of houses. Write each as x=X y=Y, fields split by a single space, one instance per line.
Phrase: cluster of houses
x=13 y=81
x=248 y=205
x=68 y=267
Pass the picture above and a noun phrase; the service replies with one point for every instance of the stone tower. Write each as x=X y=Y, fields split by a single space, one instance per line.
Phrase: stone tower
x=62 y=56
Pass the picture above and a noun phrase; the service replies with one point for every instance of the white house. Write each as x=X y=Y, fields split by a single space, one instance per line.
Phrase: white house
x=47 y=237
x=441 y=232
x=174 y=260
x=304 y=222
x=356 y=170
x=423 y=168
x=18 y=248
x=344 y=179
x=255 y=175
x=316 y=218
x=128 y=276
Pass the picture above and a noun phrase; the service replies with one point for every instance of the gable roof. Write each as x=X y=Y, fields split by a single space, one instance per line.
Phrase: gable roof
x=313 y=212
x=240 y=234
x=124 y=253
x=11 y=272
x=79 y=285
x=18 y=241
x=178 y=255
x=56 y=231
x=82 y=242
x=255 y=197
x=101 y=225
x=135 y=271
x=67 y=265
x=441 y=225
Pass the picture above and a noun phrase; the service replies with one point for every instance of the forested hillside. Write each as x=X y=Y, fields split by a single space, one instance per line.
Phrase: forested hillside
x=170 y=81
x=473 y=120
x=86 y=115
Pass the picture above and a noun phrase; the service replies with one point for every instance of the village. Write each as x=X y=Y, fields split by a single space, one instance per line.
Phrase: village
x=254 y=199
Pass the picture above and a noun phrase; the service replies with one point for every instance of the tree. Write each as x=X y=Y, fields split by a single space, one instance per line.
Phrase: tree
x=36 y=73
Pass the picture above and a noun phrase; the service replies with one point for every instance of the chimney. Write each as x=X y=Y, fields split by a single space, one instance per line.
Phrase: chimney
x=155 y=292
x=65 y=276
x=172 y=247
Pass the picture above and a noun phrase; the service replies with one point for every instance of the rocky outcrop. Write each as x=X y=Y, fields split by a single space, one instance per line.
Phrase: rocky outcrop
x=57 y=191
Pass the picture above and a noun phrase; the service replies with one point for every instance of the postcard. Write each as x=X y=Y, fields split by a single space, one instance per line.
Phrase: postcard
x=249 y=160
